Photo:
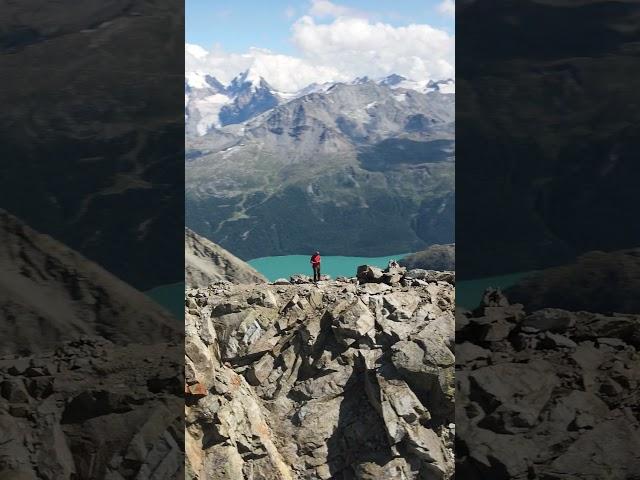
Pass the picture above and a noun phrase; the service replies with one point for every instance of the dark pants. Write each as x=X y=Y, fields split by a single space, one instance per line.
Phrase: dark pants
x=316 y=272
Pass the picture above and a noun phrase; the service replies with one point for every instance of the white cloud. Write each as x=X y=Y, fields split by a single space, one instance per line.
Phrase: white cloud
x=195 y=51
x=359 y=47
x=283 y=72
x=325 y=8
x=346 y=47
x=447 y=7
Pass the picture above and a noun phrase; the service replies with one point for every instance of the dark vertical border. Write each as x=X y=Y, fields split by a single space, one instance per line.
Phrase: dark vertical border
x=547 y=175
x=91 y=219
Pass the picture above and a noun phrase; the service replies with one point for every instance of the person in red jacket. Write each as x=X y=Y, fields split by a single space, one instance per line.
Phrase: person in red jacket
x=315 y=264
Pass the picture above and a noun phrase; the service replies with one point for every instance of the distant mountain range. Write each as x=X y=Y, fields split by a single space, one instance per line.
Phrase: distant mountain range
x=354 y=168
x=211 y=104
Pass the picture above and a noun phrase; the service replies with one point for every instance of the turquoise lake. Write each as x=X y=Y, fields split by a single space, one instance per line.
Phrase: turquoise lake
x=469 y=293
x=170 y=297
x=335 y=266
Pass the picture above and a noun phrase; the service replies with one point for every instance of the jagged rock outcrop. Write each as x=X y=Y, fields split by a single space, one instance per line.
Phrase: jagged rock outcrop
x=551 y=394
x=339 y=380
x=92 y=409
x=207 y=263
x=90 y=368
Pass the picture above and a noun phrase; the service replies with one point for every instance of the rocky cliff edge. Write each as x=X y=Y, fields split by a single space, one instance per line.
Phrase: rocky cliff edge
x=351 y=378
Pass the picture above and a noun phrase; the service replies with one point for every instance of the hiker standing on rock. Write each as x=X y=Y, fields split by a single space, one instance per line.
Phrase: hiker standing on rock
x=315 y=264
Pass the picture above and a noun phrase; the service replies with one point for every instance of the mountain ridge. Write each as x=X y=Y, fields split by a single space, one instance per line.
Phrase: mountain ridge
x=211 y=104
x=207 y=263
x=50 y=287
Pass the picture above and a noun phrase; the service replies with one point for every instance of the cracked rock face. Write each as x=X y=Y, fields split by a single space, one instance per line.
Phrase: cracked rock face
x=83 y=411
x=551 y=394
x=300 y=381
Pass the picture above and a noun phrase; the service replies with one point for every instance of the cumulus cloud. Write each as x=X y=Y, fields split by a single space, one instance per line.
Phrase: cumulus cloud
x=360 y=47
x=325 y=8
x=283 y=72
x=447 y=7
x=195 y=51
x=346 y=47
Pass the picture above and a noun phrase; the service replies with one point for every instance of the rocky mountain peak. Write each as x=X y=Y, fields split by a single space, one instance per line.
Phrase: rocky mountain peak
x=360 y=80
x=251 y=96
x=393 y=79
x=214 y=83
x=314 y=381
x=200 y=81
x=248 y=80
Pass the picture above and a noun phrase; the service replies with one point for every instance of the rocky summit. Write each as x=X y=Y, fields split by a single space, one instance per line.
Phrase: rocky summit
x=347 y=379
x=551 y=394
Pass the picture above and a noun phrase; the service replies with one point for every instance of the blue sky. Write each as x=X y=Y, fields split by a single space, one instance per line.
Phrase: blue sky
x=293 y=44
x=236 y=26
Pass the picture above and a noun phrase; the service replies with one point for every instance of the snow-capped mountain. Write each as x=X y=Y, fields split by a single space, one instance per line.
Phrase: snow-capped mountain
x=251 y=95
x=392 y=80
x=199 y=80
x=211 y=105
x=345 y=116
x=204 y=97
x=398 y=81
x=313 y=88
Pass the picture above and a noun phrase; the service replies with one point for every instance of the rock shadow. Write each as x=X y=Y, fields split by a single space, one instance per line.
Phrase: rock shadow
x=360 y=435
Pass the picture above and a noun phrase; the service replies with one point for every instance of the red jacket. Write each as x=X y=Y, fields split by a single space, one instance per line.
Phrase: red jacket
x=315 y=260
